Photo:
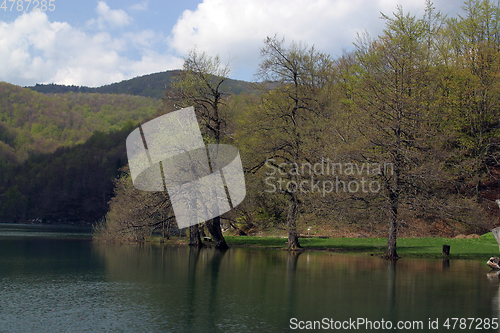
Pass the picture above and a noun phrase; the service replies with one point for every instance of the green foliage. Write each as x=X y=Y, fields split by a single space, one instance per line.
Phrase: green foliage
x=408 y=98
x=31 y=122
x=71 y=185
x=43 y=175
x=470 y=88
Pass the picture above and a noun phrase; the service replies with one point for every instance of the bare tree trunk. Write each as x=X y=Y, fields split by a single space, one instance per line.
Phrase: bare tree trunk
x=165 y=231
x=291 y=223
x=213 y=227
x=201 y=228
x=393 y=198
x=478 y=191
x=194 y=236
x=390 y=252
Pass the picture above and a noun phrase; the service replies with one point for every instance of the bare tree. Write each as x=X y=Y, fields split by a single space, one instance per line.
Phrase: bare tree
x=134 y=214
x=200 y=84
x=394 y=97
x=287 y=121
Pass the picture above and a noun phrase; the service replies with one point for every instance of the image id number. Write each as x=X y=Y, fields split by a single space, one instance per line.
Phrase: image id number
x=28 y=5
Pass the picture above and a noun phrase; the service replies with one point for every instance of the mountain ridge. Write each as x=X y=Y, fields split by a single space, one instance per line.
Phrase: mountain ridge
x=150 y=85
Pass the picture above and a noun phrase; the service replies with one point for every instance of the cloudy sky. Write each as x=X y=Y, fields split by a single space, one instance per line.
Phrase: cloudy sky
x=94 y=43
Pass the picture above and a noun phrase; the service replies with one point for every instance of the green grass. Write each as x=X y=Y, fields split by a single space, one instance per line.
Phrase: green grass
x=430 y=247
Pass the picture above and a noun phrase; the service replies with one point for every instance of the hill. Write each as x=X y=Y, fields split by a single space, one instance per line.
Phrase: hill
x=69 y=186
x=152 y=85
x=60 y=153
x=31 y=122
x=61 y=146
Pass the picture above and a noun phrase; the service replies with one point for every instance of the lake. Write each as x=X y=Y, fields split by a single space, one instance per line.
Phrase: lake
x=55 y=279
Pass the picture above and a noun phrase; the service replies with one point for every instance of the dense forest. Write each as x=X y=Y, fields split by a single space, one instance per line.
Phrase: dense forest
x=56 y=162
x=69 y=186
x=31 y=122
x=399 y=137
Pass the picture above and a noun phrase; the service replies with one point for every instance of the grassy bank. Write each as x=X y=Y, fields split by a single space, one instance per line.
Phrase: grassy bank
x=474 y=248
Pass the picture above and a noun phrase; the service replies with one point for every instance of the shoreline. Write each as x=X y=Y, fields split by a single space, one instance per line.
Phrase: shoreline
x=481 y=248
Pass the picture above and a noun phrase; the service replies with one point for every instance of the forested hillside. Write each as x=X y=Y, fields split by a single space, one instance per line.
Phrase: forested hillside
x=61 y=150
x=151 y=85
x=69 y=186
x=49 y=169
x=32 y=122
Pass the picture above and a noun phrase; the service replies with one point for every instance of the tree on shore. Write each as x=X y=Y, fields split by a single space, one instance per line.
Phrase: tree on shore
x=395 y=98
x=420 y=101
x=134 y=214
x=200 y=84
x=287 y=121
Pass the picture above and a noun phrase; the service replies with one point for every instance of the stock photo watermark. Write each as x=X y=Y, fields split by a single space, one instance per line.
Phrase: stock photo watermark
x=325 y=177
x=168 y=154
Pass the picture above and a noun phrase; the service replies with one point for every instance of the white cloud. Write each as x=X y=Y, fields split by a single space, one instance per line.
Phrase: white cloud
x=237 y=28
x=109 y=18
x=35 y=50
x=140 y=6
x=144 y=39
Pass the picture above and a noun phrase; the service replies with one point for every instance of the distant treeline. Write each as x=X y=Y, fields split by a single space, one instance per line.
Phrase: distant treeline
x=152 y=85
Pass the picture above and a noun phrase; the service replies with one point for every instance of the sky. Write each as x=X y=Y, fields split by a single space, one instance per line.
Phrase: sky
x=93 y=43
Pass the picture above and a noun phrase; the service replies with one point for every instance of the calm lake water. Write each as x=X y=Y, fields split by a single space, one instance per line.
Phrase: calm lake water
x=57 y=279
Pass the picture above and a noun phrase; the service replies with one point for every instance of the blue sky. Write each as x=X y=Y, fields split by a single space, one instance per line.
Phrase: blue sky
x=94 y=43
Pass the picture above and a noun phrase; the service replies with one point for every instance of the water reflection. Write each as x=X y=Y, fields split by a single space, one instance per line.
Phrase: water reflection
x=194 y=255
x=214 y=264
x=51 y=284
x=446 y=263
x=391 y=289
x=291 y=282
x=259 y=289
x=494 y=277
